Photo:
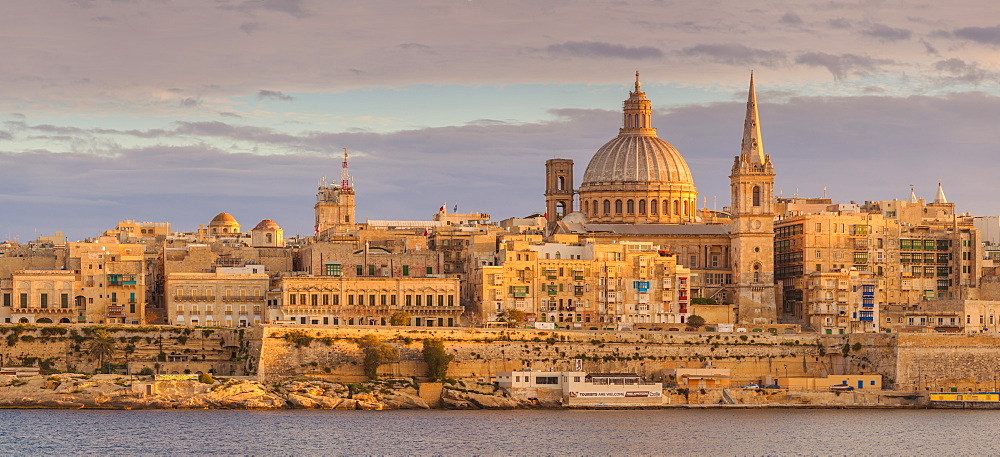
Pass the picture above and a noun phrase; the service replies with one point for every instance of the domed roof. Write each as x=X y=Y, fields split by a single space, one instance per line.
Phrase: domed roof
x=223 y=218
x=632 y=158
x=637 y=154
x=267 y=224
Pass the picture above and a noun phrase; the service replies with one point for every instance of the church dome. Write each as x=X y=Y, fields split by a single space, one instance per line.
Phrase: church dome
x=267 y=224
x=223 y=218
x=224 y=223
x=637 y=178
x=637 y=157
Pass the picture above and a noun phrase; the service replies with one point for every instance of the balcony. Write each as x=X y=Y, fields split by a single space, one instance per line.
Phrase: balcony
x=41 y=310
x=116 y=311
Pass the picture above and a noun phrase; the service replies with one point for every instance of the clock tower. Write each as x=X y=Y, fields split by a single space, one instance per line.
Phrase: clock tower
x=752 y=225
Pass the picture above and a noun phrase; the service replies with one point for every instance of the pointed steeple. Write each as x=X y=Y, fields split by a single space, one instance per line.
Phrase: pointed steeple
x=913 y=195
x=637 y=112
x=940 y=198
x=752 y=149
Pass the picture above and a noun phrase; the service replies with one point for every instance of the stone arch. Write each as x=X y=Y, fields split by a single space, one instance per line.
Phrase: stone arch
x=618 y=206
x=642 y=206
x=677 y=208
x=44 y=320
x=64 y=320
x=561 y=184
x=652 y=206
x=630 y=206
x=607 y=207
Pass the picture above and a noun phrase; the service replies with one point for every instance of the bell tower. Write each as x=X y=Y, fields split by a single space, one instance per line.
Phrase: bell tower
x=558 y=188
x=752 y=225
x=335 y=206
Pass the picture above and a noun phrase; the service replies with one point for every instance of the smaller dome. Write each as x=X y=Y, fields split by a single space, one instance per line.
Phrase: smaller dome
x=267 y=224
x=223 y=217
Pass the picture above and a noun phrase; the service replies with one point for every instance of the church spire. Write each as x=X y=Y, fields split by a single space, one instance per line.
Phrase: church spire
x=752 y=149
x=940 y=198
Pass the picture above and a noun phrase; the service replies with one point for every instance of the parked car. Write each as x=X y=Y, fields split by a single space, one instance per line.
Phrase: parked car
x=752 y=386
x=842 y=388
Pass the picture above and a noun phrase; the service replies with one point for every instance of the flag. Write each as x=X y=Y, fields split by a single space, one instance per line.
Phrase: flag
x=456 y=208
x=425 y=232
x=441 y=209
x=317 y=230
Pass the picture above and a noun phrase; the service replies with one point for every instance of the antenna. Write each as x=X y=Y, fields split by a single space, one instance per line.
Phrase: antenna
x=345 y=178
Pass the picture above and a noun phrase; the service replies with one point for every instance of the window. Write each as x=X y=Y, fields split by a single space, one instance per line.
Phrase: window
x=541 y=380
x=607 y=207
x=6 y=299
x=630 y=206
x=44 y=299
x=618 y=206
x=371 y=270
x=430 y=270
x=756 y=195
x=406 y=270
x=360 y=270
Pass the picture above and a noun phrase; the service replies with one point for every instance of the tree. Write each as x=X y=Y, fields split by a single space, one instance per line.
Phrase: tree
x=437 y=359
x=695 y=321
x=400 y=318
x=376 y=353
x=513 y=317
x=102 y=345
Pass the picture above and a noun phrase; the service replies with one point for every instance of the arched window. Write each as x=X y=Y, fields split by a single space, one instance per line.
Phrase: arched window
x=685 y=208
x=607 y=207
x=630 y=206
x=642 y=206
x=677 y=208
x=562 y=183
x=756 y=272
x=586 y=206
x=560 y=209
x=595 y=208
x=652 y=206
x=756 y=195
x=618 y=206
x=268 y=237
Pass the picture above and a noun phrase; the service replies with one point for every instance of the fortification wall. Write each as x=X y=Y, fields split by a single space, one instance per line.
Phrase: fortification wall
x=938 y=361
x=163 y=349
x=287 y=352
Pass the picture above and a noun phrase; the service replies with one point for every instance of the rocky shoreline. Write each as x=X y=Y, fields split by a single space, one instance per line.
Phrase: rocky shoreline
x=77 y=391
x=82 y=391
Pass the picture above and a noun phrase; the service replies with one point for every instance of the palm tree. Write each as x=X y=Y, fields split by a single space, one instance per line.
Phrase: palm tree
x=102 y=345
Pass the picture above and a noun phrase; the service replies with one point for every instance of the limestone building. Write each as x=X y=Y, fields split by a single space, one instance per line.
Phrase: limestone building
x=41 y=297
x=216 y=299
x=332 y=300
x=916 y=252
x=112 y=281
x=585 y=285
x=638 y=187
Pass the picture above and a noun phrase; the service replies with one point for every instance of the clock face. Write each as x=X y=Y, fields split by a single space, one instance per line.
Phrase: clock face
x=755 y=224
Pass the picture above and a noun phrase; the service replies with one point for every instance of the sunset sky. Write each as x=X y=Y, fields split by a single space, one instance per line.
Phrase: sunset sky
x=174 y=111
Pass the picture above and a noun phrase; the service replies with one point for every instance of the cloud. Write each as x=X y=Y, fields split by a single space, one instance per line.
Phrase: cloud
x=886 y=33
x=840 y=66
x=984 y=35
x=251 y=27
x=190 y=102
x=790 y=18
x=958 y=71
x=230 y=114
x=735 y=54
x=598 y=50
x=929 y=48
x=273 y=95
x=839 y=23
x=416 y=47
x=291 y=7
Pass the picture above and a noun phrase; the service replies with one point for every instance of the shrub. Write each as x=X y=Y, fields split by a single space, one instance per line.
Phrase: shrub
x=206 y=378
x=146 y=371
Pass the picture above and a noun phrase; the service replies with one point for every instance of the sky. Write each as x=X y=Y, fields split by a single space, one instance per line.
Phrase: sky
x=175 y=111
